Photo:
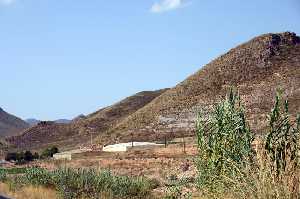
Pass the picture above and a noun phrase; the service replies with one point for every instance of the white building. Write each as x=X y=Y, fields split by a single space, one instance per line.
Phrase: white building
x=122 y=147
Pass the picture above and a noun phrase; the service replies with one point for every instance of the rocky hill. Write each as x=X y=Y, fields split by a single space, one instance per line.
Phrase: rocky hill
x=78 y=131
x=256 y=68
x=10 y=124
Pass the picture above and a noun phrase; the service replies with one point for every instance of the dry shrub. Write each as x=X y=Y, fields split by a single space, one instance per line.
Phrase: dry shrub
x=29 y=192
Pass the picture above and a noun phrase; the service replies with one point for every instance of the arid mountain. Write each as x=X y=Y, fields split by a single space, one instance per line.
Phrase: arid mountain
x=79 y=130
x=256 y=68
x=10 y=124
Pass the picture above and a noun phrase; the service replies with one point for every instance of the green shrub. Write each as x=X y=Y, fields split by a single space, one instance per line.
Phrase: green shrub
x=3 y=175
x=11 y=156
x=85 y=183
x=28 y=156
x=13 y=170
x=38 y=177
x=282 y=141
x=224 y=142
x=125 y=186
x=21 y=157
x=49 y=152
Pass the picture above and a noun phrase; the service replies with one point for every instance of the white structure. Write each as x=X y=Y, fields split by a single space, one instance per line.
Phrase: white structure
x=67 y=155
x=122 y=147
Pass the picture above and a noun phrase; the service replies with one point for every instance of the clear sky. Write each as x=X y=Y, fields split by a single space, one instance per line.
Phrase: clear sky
x=61 y=58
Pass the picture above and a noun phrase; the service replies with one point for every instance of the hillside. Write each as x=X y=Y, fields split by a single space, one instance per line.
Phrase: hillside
x=78 y=131
x=256 y=68
x=10 y=124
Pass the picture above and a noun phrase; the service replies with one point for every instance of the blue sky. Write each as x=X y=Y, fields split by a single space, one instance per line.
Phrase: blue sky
x=61 y=58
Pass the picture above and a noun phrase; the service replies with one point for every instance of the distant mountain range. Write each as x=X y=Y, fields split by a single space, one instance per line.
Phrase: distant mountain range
x=10 y=125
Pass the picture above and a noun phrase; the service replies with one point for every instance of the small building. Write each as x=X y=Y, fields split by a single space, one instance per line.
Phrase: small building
x=62 y=156
x=123 y=147
x=67 y=155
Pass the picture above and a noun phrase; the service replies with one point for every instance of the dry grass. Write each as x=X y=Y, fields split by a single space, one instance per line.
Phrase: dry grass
x=259 y=181
x=153 y=163
x=28 y=192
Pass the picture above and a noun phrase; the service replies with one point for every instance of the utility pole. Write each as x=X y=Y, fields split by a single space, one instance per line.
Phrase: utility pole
x=183 y=145
x=91 y=139
x=165 y=141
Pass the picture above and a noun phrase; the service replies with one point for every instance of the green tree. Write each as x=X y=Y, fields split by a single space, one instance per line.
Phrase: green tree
x=36 y=156
x=11 y=157
x=28 y=156
x=49 y=152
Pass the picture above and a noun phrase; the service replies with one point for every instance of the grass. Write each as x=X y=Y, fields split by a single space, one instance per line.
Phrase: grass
x=13 y=170
x=228 y=168
x=81 y=183
x=29 y=192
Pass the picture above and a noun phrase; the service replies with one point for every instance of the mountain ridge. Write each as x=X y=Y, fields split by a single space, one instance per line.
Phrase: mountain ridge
x=10 y=124
x=78 y=131
x=256 y=68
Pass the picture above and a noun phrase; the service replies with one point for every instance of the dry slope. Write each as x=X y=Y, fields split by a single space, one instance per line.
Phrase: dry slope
x=10 y=124
x=257 y=68
x=78 y=131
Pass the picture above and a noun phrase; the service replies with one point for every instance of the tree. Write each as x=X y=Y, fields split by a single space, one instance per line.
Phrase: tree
x=28 y=156
x=36 y=156
x=11 y=157
x=53 y=150
x=49 y=152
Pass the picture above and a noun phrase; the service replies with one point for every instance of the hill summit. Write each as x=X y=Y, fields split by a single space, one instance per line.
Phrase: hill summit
x=256 y=68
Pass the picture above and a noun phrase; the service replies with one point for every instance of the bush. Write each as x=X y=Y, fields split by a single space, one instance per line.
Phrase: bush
x=224 y=142
x=28 y=156
x=21 y=157
x=49 y=152
x=282 y=141
x=81 y=183
x=36 y=156
x=3 y=175
x=11 y=157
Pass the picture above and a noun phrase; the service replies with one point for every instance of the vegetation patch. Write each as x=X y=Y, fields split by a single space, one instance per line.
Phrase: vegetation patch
x=229 y=168
x=72 y=183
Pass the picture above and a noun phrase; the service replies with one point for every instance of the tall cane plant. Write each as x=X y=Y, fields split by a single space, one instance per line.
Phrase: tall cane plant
x=282 y=140
x=224 y=142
